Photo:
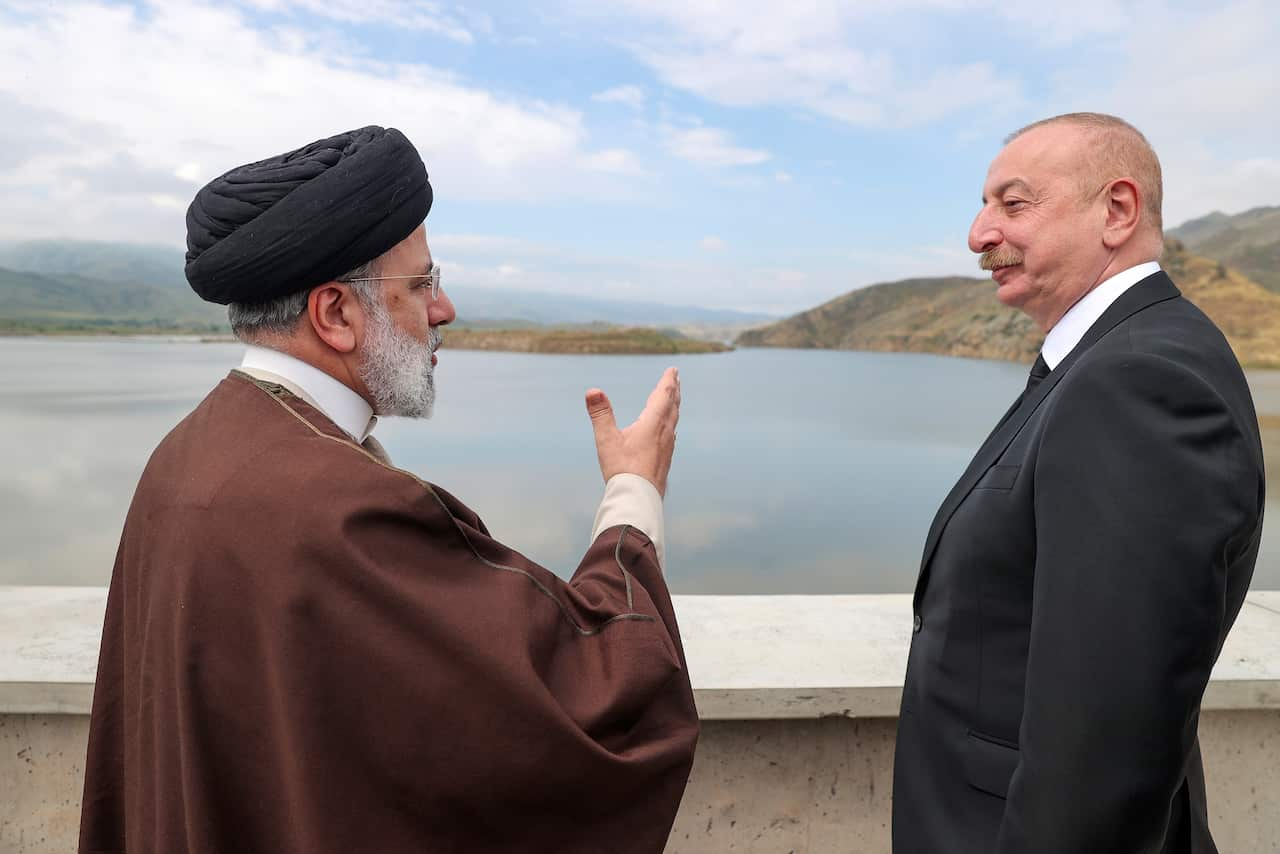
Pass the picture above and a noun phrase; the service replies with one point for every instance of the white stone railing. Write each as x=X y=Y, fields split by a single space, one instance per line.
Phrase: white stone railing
x=798 y=695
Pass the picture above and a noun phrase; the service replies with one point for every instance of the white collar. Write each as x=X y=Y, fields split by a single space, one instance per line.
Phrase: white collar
x=343 y=406
x=1067 y=332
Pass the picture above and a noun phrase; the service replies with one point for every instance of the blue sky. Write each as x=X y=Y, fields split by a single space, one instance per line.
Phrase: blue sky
x=727 y=153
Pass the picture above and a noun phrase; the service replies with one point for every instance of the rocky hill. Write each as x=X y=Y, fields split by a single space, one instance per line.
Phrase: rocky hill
x=955 y=316
x=1248 y=241
x=961 y=316
x=1246 y=312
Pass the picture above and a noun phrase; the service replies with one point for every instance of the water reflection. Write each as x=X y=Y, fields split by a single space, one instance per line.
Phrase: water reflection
x=796 y=471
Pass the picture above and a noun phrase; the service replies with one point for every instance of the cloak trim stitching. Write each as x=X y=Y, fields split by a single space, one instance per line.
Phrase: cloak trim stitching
x=617 y=556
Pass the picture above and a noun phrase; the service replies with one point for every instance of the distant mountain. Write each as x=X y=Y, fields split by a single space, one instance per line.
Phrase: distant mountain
x=578 y=341
x=76 y=263
x=488 y=305
x=962 y=317
x=111 y=262
x=1248 y=241
x=40 y=302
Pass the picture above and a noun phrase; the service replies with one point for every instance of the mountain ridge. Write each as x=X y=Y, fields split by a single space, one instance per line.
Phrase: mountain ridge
x=960 y=316
x=112 y=271
x=1248 y=241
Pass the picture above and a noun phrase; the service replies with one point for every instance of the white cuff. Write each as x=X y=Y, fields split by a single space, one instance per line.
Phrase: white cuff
x=629 y=499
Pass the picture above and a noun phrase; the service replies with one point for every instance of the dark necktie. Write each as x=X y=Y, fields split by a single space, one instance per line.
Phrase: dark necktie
x=1039 y=371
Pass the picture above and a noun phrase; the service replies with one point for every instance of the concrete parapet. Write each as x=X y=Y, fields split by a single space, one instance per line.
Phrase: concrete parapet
x=798 y=696
x=825 y=786
x=41 y=778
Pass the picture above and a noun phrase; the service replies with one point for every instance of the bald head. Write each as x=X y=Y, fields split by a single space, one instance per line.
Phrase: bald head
x=1112 y=148
x=1068 y=202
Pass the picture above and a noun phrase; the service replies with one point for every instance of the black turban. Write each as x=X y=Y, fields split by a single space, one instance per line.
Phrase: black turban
x=297 y=220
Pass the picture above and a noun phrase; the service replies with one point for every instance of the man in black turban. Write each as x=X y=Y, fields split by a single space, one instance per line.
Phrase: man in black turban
x=293 y=221
x=309 y=649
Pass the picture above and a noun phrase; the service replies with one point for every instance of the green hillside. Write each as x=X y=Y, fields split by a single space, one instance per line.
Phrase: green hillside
x=36 y=302
x=111 y=262
x=1249 y=242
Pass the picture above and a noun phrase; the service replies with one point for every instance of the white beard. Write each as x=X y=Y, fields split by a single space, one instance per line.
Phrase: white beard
x=397 y=368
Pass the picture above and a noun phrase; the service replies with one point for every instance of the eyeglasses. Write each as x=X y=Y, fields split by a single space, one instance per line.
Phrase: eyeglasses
x=431 y=279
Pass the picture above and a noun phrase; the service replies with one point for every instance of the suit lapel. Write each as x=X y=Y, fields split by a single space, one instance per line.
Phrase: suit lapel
x=1155 y=288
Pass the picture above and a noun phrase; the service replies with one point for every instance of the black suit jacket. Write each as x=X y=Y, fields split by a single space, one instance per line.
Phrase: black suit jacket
x=1076 y=588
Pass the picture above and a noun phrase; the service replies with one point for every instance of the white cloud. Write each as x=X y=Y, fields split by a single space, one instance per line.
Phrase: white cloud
x=629 y=96
x=1197 y=183
x=711 y=243
x=951 y=90
x=29 y=130
x=121 y=174
x=1210 y=114
x=1059 y=24
x=168 y=201
x=151 y=97
x=618 y=161
x=710 y=146
x=111 y=115
x=489 y=260
x=403 y=14
x=823 y=56
x=192 y=172
x=478 y=21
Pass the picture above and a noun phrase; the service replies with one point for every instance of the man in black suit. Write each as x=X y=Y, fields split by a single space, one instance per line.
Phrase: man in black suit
x=1079 y=580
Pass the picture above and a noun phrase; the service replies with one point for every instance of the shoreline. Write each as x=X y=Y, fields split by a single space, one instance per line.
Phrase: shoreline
x=711 y=347
x=691 y=346
x=554 y=341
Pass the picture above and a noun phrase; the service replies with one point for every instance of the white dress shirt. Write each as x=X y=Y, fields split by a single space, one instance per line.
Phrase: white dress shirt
x=1067 y=332
x=629 y=499
x=339 y=403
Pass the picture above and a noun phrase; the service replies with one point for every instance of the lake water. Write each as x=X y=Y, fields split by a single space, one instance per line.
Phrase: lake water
x=796 y=471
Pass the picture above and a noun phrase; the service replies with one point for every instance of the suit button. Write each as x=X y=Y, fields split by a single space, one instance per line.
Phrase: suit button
x=917 y=624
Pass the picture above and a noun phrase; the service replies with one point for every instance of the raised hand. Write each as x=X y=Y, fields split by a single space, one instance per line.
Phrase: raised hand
x=644 y=448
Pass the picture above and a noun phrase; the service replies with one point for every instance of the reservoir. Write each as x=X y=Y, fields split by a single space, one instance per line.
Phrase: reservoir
x=796 y=471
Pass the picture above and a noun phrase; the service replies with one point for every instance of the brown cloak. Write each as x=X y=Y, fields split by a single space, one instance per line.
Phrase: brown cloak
x=308 y=650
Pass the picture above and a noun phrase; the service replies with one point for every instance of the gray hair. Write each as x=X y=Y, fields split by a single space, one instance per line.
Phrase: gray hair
x=255 y=322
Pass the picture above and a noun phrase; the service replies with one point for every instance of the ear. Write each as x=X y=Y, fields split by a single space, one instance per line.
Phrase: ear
x=335 y=315
x=1124 y=212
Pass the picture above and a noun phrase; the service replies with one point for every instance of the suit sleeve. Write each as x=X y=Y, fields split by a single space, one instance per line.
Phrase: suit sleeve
x=1145 y=488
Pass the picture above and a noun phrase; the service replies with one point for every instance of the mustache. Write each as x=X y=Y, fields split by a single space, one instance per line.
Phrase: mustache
x=1001 y=256
x=434 y=338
